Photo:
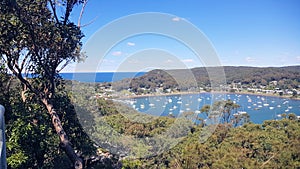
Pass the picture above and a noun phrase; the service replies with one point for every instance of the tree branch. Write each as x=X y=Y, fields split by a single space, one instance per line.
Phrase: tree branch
x=81 y=12
x=53 y=7
x=89 y=22
x=24 y=60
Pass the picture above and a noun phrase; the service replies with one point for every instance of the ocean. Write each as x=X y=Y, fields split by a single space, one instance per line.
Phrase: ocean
x=100 y=77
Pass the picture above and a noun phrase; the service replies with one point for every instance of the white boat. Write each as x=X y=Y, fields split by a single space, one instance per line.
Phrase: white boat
x=142 y=106
x=242 y=112
x=170 y=100
x=266 y=104
x=197 y=112
x=279 y=105
x=271 y=108
x=199 y=100
x=259 y=106
x=179 y=102
x=151 y=104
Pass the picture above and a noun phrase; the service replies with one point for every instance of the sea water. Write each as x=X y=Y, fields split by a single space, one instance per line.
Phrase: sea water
x=100 y=76
x=260 y=108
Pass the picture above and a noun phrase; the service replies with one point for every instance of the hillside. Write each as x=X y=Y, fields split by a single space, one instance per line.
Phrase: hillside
x=184 y=79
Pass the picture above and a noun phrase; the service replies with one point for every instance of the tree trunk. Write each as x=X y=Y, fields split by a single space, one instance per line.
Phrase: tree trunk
x=65 y=144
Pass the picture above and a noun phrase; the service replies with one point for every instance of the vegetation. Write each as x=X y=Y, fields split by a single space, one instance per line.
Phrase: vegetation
x=38 y=39
x=285 y=77
x=273 y=144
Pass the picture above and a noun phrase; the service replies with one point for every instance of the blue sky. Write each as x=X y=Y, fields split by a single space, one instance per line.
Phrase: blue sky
x=243 y=33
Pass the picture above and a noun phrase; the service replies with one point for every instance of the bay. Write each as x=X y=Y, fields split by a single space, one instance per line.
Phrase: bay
x=260 y=108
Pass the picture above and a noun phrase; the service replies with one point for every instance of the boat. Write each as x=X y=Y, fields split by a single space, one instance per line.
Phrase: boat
x=242 y=112
x=266 y=104
x=151 y=104
x=279 y=105
x=271 y=108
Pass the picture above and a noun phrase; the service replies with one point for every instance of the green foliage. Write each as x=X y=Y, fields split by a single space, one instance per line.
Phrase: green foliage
x=31 y=139
x=287 y=78
x=274 y=144
x=38 y=39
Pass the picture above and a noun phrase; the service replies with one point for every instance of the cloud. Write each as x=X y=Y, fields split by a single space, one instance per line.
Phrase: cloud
x=116 y=53
x=298 y=58
x=131 y=44
x=187 y=60
x=249 y=59
x=176 y=19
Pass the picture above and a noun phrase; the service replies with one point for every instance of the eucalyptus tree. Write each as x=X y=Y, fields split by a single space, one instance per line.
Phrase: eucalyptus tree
x=37 y=40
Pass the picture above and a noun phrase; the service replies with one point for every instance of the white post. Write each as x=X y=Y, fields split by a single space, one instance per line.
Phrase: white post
x=2 y=139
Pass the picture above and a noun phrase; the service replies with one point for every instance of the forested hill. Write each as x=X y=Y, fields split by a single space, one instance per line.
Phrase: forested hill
x=257 y=75
x=285 y=77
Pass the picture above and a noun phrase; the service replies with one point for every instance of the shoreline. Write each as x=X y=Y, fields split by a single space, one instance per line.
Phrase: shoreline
x=216 y=92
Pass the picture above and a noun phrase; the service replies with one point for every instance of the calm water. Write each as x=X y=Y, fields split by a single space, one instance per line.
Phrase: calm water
x=101 y=76
x=259 y=108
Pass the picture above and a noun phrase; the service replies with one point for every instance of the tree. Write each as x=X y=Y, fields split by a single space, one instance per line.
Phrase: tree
x=38 y=40
x=225 y=111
